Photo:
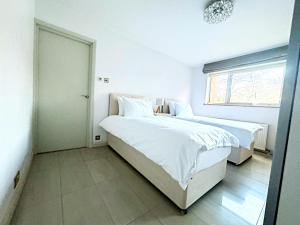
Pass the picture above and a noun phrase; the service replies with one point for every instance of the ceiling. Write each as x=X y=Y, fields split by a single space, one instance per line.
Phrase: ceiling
x=176 y=27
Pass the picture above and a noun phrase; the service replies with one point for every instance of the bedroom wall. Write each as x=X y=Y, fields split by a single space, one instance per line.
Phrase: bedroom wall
x=253 y=114
x=131 y=67
x=16 y=74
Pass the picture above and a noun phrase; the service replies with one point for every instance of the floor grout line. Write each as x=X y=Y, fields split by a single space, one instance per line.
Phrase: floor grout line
x=61 y=195
x=261 y=213
x=98 y=194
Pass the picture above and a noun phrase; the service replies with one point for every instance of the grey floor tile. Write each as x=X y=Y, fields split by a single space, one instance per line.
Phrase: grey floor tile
x=168 y=214
x=212 y=213
x=101 y=170
x=236 y=179
x=85 y=207
x=43 y=162
x=41 y=187
x=75 y=176
x=89 y=154
x=122 y=202
x=122 y=166
x=43 y=213
x=147 y=219
x=149 y=194
x=123 y=196
x=257 y=168
x=69 y=157
x=261 y=216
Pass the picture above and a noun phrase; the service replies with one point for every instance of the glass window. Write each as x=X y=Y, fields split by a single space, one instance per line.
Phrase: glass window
x=218 y=86
x=257 y=86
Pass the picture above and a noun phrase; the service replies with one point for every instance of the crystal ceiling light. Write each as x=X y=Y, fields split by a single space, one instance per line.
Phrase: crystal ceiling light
x=218 y=11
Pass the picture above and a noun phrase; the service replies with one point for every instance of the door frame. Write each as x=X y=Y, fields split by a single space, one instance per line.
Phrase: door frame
x=41 y=25
x=284 y=121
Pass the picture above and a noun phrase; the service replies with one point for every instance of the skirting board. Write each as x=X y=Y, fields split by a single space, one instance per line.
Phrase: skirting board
x=99 y=144
x=11 y=199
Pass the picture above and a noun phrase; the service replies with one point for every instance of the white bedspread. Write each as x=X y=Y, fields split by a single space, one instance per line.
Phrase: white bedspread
x=244 y=131
x=173 y=144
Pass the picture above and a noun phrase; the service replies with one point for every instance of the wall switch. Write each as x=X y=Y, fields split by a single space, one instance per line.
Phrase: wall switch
x=17 y=179
x=97 y=137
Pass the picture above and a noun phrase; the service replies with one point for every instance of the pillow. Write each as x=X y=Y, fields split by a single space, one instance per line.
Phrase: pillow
x=121 y=106
x=137 y=107
x=172 y=108
x=183 y=110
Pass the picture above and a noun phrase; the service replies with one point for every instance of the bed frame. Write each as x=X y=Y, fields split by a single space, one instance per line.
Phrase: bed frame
x=198 y=185
x=240 y=155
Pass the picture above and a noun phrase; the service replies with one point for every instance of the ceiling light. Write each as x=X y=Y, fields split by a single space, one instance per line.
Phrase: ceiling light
x=218 y=11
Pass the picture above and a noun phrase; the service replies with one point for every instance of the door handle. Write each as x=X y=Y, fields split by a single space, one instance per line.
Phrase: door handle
x=86 y=96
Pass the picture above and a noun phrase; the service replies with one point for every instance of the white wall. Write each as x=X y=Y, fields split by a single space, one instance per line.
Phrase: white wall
x=132 y=68
x=253 y=114
x=16 y=72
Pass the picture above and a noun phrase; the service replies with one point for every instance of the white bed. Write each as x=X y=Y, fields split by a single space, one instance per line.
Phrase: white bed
x=244 y=131
x=182 y=163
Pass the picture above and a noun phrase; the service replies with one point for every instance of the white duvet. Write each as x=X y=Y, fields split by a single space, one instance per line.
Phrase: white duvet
x=244 y=131
x=173 y=144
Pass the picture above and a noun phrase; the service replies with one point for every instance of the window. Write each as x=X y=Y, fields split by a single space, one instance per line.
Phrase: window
x=255 y=86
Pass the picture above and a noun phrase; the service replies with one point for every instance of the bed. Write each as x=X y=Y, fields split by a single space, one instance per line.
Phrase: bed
x=244 y=131
x=182 y=194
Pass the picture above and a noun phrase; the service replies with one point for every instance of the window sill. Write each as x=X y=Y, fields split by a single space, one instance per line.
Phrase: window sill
x=241 y=105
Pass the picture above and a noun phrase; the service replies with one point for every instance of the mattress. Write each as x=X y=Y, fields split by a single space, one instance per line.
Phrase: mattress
x=181 y=148
x=244 y=131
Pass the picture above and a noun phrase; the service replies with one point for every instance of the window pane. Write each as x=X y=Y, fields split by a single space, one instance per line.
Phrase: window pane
x=218 y=86
x=259 y=86
x=242 y=88
x=268 y=86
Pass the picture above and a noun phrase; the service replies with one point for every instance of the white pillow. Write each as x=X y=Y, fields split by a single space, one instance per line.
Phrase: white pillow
x=183 y=110
x=137 y=107
x=121 y=106
x=172 y=108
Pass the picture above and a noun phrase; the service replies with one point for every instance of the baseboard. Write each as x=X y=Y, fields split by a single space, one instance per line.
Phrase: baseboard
x=100 y=144
x=267 y=151
x=11 y=199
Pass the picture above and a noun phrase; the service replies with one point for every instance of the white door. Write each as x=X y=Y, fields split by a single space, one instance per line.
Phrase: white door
x=63 y=87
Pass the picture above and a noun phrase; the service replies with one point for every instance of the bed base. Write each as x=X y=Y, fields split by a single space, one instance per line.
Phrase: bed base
x=240 y=155
x=198 y=185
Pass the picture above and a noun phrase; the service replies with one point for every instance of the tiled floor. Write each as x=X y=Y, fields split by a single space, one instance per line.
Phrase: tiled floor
x=95 y=186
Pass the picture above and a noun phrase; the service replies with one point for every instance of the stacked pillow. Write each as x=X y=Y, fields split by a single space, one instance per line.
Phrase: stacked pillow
x=180 y=109
x=135 y=107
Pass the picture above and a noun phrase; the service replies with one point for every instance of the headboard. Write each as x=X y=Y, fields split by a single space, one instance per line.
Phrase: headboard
x=113 y=108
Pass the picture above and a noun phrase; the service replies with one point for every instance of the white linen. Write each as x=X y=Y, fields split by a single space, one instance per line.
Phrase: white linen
x=244 y=131
x=172 y=108
x=183 y=110
x=209 y=158
x=173 y=144
x=137 y=107
x=121 y=106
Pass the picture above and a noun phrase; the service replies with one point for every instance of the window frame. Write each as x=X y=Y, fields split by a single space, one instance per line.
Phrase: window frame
x=229 y=82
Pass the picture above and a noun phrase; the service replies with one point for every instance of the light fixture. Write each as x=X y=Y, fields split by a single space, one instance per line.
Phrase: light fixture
x=218 y=11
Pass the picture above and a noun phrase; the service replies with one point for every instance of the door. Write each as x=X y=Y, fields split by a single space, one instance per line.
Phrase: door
x=63 y=87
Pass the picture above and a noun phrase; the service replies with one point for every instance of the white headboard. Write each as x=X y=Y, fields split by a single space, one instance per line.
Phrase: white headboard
x=113 y=108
